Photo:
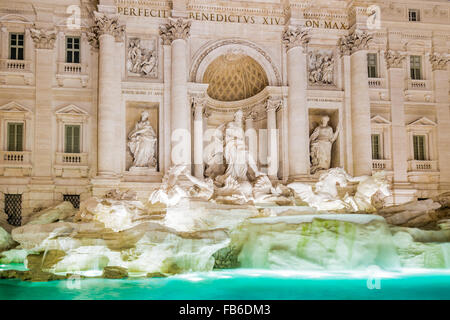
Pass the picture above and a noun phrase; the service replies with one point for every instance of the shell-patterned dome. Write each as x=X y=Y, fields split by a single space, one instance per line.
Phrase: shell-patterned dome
x=234 y=77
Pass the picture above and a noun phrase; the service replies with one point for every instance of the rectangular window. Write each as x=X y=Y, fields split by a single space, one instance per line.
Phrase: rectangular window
x=419 y=147
x=72 y=139
x=413 y=15
x=415 y=65
x=73 y=50
x=16 y=46
x=15 y=136
x=13 y=208
x=376 y=154
x=372 y=65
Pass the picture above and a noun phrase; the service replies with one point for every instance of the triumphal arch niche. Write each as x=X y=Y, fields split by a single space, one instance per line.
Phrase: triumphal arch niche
x=240 y=83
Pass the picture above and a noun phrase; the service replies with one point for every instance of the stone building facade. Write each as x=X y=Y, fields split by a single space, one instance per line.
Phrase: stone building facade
x=77 y=76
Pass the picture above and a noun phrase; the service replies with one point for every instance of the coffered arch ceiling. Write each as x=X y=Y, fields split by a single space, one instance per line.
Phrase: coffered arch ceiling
x=234 y=76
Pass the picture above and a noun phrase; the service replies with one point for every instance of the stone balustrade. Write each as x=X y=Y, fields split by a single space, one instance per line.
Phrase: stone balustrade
x=422 y=165
x=16 y=158
x=71 y=159
x=418 y=84
x=15 y=65
x=376 y=83
x=71 y=68
x=381 y=164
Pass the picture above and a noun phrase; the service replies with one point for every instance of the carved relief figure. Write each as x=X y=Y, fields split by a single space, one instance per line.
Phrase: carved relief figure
x=321 y=141
x=141 y=60
x=321 y=68
x=142 y=143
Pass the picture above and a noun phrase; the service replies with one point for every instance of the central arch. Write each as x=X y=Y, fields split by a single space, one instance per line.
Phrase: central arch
x=234 y=76
x=212 y=51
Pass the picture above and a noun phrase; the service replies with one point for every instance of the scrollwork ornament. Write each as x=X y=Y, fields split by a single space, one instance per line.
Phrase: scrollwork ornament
x=105 y=24
x=43 y=39
x=394 y=59
x=358 y=40
x=294 y=37
x=175 y=29
x=439 y=61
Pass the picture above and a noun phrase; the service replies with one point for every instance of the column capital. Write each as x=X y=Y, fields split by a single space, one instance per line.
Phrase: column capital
x=357 y=40
x=294 y=37
x=105 y=23
x=394 y=59
x=43 y=39
x=439 y=61
x=272 y=105
x=198 y=107
x=251 y=116
x=175 y=29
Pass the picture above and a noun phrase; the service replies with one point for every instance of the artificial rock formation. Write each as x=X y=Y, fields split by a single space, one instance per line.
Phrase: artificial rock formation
x=118 y=236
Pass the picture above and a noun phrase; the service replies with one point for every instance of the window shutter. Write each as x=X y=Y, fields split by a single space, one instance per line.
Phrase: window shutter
x=10 y=137
x=19 y=136
x=76 y=139
x=68 y=142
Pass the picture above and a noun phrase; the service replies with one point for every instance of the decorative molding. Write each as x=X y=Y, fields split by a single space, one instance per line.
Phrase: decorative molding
x=358 y=40
x=43 y=39
x=439 y=61
x=394 y=59
x=105 y=24
x=14 y=107
x=72 y=110
x=424 y=121
x=295 y=37
x=175 y=29
x=379 y=120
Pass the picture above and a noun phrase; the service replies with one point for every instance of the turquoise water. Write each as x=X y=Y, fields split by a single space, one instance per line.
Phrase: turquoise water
x=242 y=284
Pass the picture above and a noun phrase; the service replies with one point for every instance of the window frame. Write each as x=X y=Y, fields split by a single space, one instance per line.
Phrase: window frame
x=375 y=66
x=424 y=146
x=80 y=136
x=412 y=67
x=417 y=13
x=379 y=147
x=8 y=123
x=72 y=50
x=16 y=46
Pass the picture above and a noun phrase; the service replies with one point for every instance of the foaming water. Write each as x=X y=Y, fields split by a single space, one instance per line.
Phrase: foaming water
x=244 y=284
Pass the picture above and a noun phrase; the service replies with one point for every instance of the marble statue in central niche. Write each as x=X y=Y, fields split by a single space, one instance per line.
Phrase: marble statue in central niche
x=142 y=142
x=235 y=155
x=321 y=141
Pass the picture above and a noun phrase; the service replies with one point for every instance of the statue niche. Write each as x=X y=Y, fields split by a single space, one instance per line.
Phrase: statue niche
x=142 y=142
x=321 y=141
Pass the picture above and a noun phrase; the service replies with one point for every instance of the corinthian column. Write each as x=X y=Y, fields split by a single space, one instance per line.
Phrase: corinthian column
x=394 y=63
x=272 y=138
x=439 y=64
x=44 y=42
x=296 y=42
x=176 y=32
x=103 y=35
x=355 y=45
x=198 y=109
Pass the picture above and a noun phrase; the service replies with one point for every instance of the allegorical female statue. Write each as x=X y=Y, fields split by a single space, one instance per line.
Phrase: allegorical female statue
x=142 y=142
x=321 y=141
